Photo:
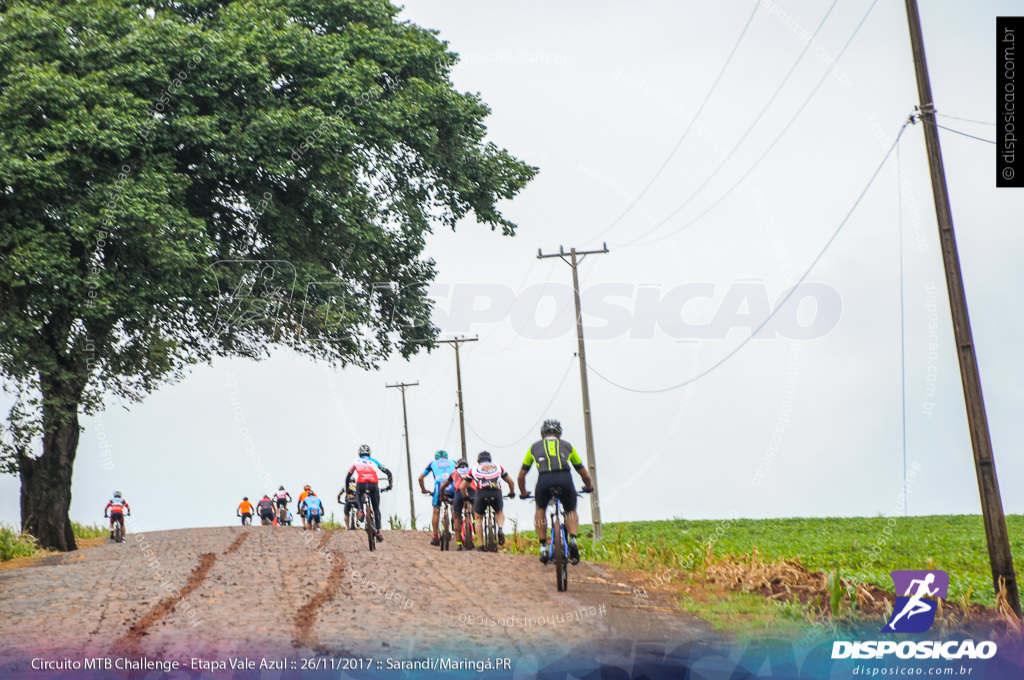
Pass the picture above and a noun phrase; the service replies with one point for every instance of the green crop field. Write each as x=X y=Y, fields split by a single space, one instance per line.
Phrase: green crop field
x=863 y=549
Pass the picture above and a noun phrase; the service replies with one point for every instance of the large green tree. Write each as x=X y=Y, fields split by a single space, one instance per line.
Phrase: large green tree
x=186 y=179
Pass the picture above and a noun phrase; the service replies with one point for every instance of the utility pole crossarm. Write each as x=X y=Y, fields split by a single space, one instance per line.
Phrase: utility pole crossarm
x=408 y=456
x=574 y=259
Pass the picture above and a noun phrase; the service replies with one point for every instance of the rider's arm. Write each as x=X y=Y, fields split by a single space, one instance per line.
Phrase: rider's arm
x=420 y=480
x=577 y=463
x=508 y=480
x=464 y=487
x=391 y=479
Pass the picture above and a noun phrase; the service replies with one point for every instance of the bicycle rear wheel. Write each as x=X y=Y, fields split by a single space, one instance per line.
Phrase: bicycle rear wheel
x=371 y=528
x=446 y=534
x=558 y=547
x=118 y=532
x=467 y=531
x=490 y=532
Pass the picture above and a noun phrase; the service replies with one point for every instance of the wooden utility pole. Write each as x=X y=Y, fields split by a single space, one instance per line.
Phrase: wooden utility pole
x=977 y=422
x=575 y=257
x=458 y=378
x=408 y=456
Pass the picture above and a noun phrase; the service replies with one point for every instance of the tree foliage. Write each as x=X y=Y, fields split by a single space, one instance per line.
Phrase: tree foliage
x=181 y=180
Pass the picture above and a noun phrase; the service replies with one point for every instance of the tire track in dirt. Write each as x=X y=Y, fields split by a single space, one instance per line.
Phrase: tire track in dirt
x=237 y=543
x=306 y=616
x=129 y=643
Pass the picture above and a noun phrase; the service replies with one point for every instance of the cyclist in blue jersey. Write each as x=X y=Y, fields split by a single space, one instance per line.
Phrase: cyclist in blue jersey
x=440 y=468
x=313 y=508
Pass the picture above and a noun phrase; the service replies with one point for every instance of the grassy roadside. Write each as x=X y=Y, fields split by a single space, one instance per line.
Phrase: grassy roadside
x=722 y=570
x=14 y=544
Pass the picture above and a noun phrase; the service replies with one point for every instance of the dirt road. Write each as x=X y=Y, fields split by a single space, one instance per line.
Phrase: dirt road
x=272 y=592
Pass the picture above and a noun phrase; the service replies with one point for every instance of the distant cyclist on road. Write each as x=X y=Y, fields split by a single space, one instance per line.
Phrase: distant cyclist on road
x=312 y=507
x=266 y=508
x=364 y=471
x=488 y=475
x=440 y=468
x=245 y=510
x=115 y=510
x=454 y=481
x=306 y=490
x=554 y=457
x=282 y=497
x=349 y=492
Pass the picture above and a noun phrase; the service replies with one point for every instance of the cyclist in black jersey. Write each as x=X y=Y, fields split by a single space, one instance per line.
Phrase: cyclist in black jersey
x=554 y=458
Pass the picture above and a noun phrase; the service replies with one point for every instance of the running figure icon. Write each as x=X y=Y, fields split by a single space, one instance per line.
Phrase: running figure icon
x=916 y=586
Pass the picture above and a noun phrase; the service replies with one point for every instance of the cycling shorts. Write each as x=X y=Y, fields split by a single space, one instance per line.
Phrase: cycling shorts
x=562 y=478
x=436 y=499
x=491 y=497
x=460 y=500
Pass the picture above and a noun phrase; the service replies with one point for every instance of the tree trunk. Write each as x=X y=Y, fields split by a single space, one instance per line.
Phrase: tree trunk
x=46 y=480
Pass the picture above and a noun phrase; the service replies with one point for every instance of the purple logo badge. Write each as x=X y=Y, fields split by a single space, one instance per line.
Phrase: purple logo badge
x=917 y=592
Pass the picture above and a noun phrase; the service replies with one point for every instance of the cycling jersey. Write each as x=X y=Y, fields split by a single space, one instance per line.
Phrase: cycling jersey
x=488 y=475
x=302 y=496
x=314 y=506
x=245 y=507
x=456 y=478
x=281 y=496
x=266 y=507
x=552 y=455
x=366 y=470
x=117 y=506
x=440 y=468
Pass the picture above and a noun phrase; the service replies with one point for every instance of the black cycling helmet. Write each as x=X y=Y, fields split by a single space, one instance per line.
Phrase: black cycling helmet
x=280 y=488
x=364 y=450
x=462 y=463
x=551 y=427
x=441 y=454
x=245 y=498
x=483 y=457
x=117 y=494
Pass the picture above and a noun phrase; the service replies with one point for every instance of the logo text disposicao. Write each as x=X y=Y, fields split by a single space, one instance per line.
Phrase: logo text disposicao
x=925 y=649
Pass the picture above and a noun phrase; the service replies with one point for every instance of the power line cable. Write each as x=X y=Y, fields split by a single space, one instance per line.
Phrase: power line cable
x=771 y=146
x=943 y=127
x=771 y=100
x=689 y=126
x=966 y=120
x=782 y=302
x=532 y=427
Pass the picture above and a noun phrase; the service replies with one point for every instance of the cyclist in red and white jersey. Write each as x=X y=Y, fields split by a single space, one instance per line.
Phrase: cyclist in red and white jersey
x=116 y=509
x=454 y=480
x=364 y=471
x=488 y=476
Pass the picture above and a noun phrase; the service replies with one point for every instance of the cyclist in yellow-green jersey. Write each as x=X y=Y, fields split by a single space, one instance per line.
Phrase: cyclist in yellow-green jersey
x=555 y=459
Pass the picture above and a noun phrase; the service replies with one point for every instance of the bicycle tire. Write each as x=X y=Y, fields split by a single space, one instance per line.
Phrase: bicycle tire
x=371 y=525
x=490 y=531
x=446 y=534
x=118 y=533
x=558 y=547
x=468 y=532
x=353 y=519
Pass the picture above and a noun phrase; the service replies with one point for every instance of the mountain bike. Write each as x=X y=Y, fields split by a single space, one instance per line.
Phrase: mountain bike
x=468 y=530
x=558 y=547
x=119 y=529
x=282 y=515
x=371 y=522
x=352 y=518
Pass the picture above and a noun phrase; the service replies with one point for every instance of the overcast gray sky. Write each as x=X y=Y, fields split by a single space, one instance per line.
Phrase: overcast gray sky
x=804 y=421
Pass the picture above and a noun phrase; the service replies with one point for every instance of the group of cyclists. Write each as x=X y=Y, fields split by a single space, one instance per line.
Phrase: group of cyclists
x=455 y=482
x=362 y=477
x=458 y=482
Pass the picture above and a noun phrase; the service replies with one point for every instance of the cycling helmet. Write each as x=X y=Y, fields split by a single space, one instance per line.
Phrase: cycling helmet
x=306 y=488
x=245 y=498
x=551 y=427
x=364 y=450
x=117 y=494
x=462 y=463
x=441 y=454
x=280 y=488
x=483 y=457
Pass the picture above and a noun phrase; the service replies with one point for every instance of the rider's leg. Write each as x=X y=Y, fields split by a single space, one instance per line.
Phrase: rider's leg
x=477 y=523
x=572 y=522
x=375 y=501
x=437 y=519
x=540 y=522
